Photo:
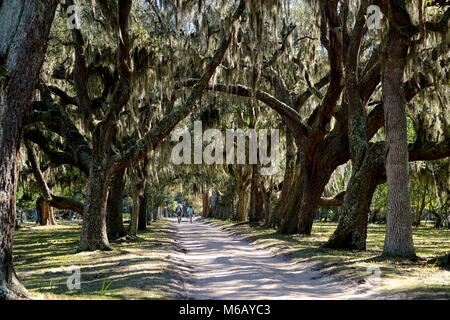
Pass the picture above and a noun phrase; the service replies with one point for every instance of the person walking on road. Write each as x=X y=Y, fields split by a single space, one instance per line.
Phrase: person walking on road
x=179 y=212
x=190 y=213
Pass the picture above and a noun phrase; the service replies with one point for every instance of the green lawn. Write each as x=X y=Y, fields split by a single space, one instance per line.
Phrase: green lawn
x=411 y=279
x=142 y=269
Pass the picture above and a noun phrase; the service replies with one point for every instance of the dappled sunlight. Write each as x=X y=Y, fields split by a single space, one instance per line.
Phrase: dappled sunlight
x=134 y=270
x=225 y=267
x=399 y=278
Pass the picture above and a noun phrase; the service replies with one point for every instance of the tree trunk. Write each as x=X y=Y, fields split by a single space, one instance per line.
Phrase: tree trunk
x=142 y=223
x=205 y=204
x=312 y=190
x=417 y=217
x=241 y=213
x=438 y=219
x=156 y=214
x=352 y=227
x=256 y=213
x=421 y=207
x=43 y=204
x=114 y=218
x=45 y=211
x=93 y=233
x=289 y=213
x=351 y=231
x=214 y=205
x=242 y=185
x=303 y=199
x=308 y=206
x=289 y=174
x=23 y=41
x=399 y=240
x=138 y=192
x=134 y=214
x=267 y=204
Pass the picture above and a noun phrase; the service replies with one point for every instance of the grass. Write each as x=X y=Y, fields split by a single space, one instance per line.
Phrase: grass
x=145 y=269
x=45 y=258
x=406 y=279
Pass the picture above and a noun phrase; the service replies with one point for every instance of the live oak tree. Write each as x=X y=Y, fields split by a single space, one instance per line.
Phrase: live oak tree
x=23 y=41
x=351 y=231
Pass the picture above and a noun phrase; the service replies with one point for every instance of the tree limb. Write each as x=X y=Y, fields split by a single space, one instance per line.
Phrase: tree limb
x=160 y=131
x=55 y=201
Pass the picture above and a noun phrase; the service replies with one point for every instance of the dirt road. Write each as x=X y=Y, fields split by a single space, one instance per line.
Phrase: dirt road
x=220 y=266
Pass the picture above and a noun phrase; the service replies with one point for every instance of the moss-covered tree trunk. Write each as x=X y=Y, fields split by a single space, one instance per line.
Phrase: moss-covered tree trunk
x=352 y=227
x=94 y=232
x=25 y=26
x=351 y=232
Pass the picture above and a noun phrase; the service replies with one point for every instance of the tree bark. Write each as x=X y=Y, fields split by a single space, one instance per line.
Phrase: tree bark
x=134 y=214
x=114 y=218
x=267 y=206
x=351 y=231
x=399 y=240
x=45 y=211
x=142 y=223
x=23 y=41
x=304 y=197
x=242 y=183
x=289 y=173
x=46 y=216
x=138 y=191
x=93 y=233
x=214 y=205
x=241 y=213
x=312 y=189
x=289 y=220
x=256 y=210
x=205 y=204
x=421 y=207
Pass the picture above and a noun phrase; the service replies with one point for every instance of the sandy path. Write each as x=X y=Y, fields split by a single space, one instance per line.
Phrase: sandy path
x=224 y=267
